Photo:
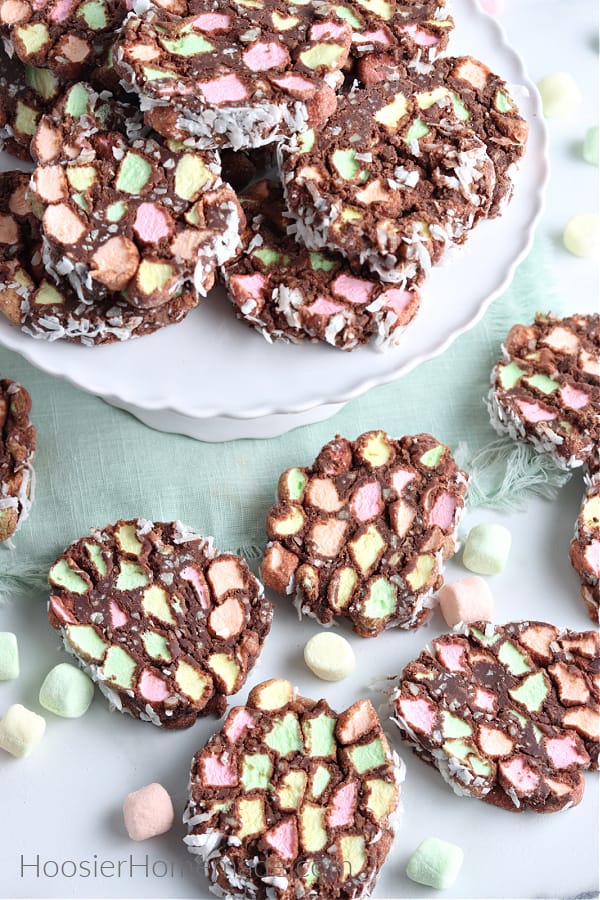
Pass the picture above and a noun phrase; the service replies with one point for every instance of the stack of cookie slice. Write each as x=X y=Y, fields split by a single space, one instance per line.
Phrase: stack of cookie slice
x=387 y=154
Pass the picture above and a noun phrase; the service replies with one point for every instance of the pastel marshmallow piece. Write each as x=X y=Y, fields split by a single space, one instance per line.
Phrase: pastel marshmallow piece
x=66 y=691
x=148 y=812
x=329 y=656
x=560 y=94
x=581 y=235
x=487 y=548
x=9 y=656
x=21 y=730
x=466 y=600
x=435 y=863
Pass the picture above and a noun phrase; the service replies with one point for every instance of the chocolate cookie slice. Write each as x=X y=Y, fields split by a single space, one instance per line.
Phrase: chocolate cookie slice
x=364 y=532
x=165 y=624
x=507 y=713
x=66 y=37
x=584 y=550
x=26 y=93
x=123 y=212
x=50 y=311
x=387 y=183
x=242 y=75
x=17 y=449
x=479 y=97
x=546 y=389
x=288 y=292
x=292 y=799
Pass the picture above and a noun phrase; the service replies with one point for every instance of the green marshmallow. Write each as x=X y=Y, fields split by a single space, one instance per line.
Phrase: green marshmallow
x=63 y=575
x=325 y=55
x=417 y=130
x=487 y=548
x=321 y=779
x=284 y=736
x=153 y=74
x=590 y=146
x=96 y=557
x=542 y=383
x=87 y=642
x=347 y=14
x=94 y=13
x=431 y=458
x=503 y=103
x=381 y=600
x=367 y=756
x=134 y=174
x=116 y=211
x=256 y=771
x=347 y=165
x=131 y=576
x=80 y=201
x=267 y=256
x=454 y=727
x=119 y=667
x=513 y=659
x=509 y=375
x=295 y=482
x=26 y=119
x=77 y=101
x=319 y=735
x=66 y=691
x=306 y=140
x=34 y=37
x=42 y=81
x=319 y=263
x=156 y=646
x=532 y=692
x=460 y=110
x=9 y=656
x=188 y=45
x=435 y=863
x=49 y=296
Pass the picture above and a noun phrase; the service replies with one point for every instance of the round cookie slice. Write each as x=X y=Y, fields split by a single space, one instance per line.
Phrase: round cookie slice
x=65 y=36
x=546 y=389
x=584 y=550
x=509 y=714
x=48 y=310
x=17 y=449
x=291 y=799
x=125 y=213
x=288 y=292
x=479 y=97
x=364 y=532
x=387 y=183
x=239 y=75
x=165 y=624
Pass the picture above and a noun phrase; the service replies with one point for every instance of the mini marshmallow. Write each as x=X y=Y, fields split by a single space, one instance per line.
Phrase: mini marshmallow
x=9 y=656
x=560 y=94
x=435 y=863
x=329 y=656
x=466 y=600
x=66 y=691
x=21 y=730
x=589 y=151
x=581 y=235
x=487 y=548
x=148 y=812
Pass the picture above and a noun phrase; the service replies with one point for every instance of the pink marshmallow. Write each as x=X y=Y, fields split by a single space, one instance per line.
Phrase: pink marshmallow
x=191 y=574
x=216 y=773
x=396 y=299
x=284 y=838
x=592 y=557
x=452 y=656
x=354 y=290
x=153 y=688
x=327 y=31
x=117 y=616
x=534 y=412
x=265 y=55
x=520 y=775
x=148 y=812
x=212 y=22
x=226 y=89
x=60 y=10
x=379 y=36
x=151 y=223
x=420 y=37
x=238 y=721
x=442 y=512
x=420 y=714
x=295 y=85
x=324 y=307
x=563 y=752
x=485 y=700
x=400 y=479
x=466 y=600
x=574 y=398
x=249 y=287
x=60 y=612
x=342 y=806
x=366 y=502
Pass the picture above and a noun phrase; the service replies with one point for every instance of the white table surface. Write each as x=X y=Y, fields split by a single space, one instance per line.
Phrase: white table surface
x=53 y=815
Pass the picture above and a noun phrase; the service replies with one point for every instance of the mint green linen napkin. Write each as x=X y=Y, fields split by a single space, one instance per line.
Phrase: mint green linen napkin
x=96 y=464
